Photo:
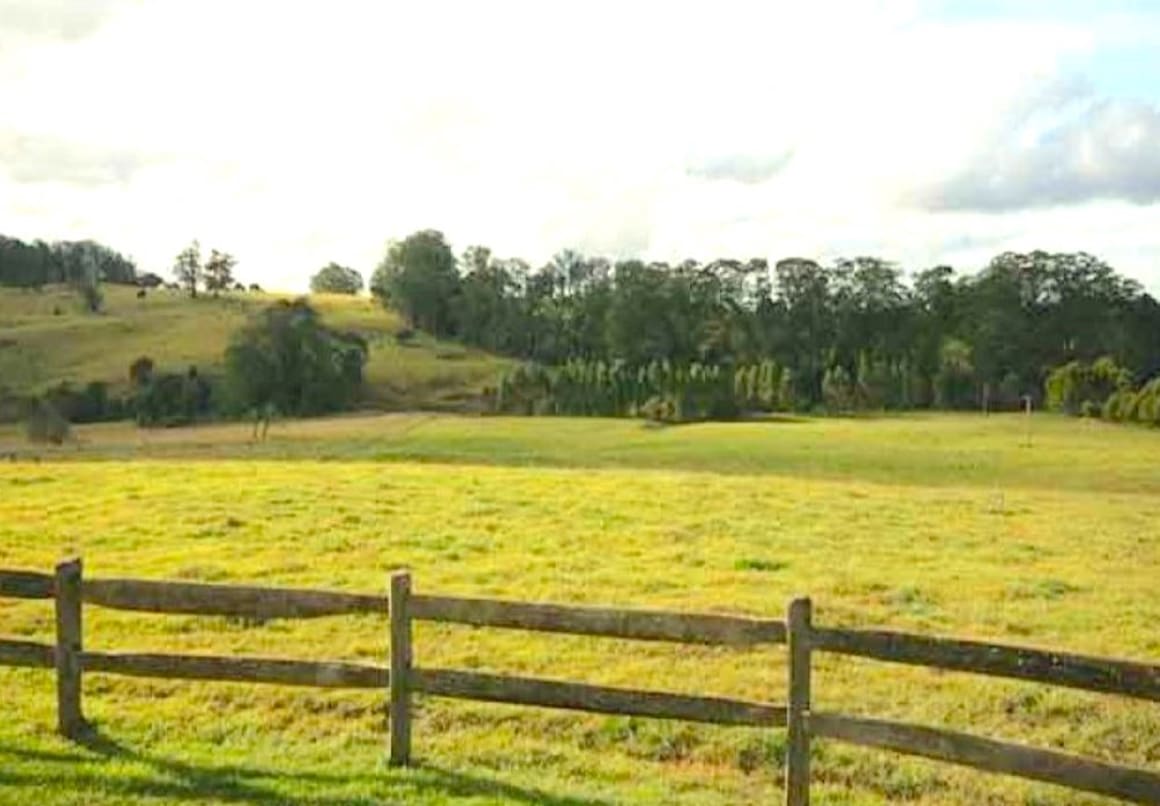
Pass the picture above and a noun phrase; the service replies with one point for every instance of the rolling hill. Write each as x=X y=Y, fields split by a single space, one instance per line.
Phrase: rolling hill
x=45 y=338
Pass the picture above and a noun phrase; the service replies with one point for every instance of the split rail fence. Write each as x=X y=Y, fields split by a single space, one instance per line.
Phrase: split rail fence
x=401 y=678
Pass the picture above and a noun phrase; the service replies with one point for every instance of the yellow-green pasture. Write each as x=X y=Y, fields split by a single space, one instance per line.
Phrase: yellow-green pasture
x=45 y=338
x=939 y=524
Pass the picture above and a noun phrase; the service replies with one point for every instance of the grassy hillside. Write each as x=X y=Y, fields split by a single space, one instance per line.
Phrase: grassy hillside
x=941 y=524
x=45 y=339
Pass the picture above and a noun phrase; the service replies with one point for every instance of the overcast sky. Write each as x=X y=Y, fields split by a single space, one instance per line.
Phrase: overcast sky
x=295 y=133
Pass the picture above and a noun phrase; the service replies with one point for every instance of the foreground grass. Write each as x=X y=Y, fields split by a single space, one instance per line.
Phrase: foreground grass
x=45 y=338
x=937 y=524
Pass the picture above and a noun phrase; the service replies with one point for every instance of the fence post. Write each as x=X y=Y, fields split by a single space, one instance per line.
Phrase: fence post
x=67 y=596
x=400 y=681
x=799 y=618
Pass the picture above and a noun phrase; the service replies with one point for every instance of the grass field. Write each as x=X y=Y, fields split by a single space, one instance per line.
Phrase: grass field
x=39 y=348
x=940 y=524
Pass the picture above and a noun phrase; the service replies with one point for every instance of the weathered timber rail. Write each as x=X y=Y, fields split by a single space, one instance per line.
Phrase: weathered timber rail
x=401 y=679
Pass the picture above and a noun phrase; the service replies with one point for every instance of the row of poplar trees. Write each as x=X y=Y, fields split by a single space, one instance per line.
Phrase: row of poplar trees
x=852 y=334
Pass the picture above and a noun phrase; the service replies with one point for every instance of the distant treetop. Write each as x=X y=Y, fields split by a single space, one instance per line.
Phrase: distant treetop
x=335 y=279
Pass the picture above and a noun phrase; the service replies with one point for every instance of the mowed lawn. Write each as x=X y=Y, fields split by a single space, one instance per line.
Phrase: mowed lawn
x=959 y=525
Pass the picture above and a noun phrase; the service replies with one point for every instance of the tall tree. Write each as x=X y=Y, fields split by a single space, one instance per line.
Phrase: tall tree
x=418 y=277
x=187 y=268
x=803 y=287
x=219 y=271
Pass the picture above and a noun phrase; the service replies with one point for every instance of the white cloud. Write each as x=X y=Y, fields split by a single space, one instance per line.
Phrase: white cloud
x=296 y=133
x=1058 y=147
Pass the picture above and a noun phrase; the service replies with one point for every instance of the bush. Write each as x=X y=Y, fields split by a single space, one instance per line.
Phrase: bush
x=171 y=399
x=92 y=404
x=1077 y=381
x=838 y=390
x=659 y=409
x=1128 y=405
x=45 y=424
x=1146 y=408
x=141 y=371
x=1148 y=403
x=1115 y=406
x=1091 y=409
x=286 y=358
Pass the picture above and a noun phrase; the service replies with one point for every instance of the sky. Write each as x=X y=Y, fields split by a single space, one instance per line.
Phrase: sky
x=291 y=134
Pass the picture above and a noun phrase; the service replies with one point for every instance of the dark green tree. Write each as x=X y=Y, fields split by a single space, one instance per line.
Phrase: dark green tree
x=335 y=279
x=218 y=271
x=418 y=278
x=288 y=360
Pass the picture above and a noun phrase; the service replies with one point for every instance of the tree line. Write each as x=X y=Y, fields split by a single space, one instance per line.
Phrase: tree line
x=85 y=265
x=82 y=265
x=37 y=264
x=853 y=333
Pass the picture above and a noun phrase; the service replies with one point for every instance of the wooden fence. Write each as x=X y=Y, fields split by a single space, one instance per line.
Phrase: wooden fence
x=401 y=678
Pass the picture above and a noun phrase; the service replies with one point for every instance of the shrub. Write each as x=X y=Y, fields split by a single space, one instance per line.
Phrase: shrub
x=141 y=371
x=1115 y=406
x=287 y=358
x=91 y=404
x=1089 y=408
x=659 y=409
x=171 y=399
x=838 y=389
x=1146 y=408
x=45 y=424
x=1148 y=403
x=1071 y=383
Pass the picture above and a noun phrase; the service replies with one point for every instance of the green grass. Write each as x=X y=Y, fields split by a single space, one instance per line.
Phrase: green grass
x=39 y=348
x=937 y=524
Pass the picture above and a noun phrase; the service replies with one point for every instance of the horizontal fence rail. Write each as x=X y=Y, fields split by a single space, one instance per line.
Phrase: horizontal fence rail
x=643 y=625
x=246 y=670
x=597 y=699
x=25 y=585
x=403 y=679
x=196 y=598
x=1075 y=772
x=1057 y=668
x=27 y=653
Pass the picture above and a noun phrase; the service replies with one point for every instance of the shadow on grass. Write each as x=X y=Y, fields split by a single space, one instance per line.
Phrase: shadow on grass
x=116 y=771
